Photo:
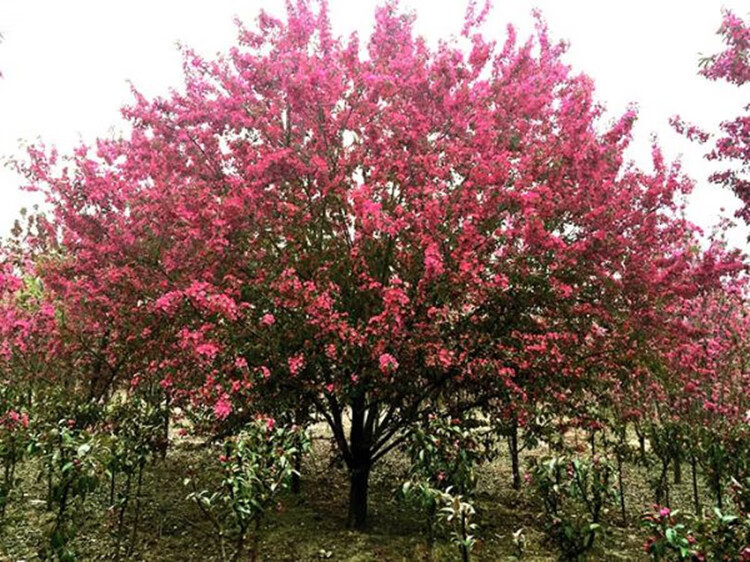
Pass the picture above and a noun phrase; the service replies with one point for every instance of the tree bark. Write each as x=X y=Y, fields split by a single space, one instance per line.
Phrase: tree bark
x=641 y=441
x=296 y=479
x=360 y=463
x=300 y=417
x=359 y=482
x=621 y=486
x=662 y=487
x=694 y=473
x=464 y=547
x=165 y=429
x=514 y=460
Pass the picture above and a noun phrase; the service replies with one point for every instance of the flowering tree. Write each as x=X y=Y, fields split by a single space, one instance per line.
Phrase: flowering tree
x=28 y=332
x=367 y=229
x=707 y=395
x=733 y=146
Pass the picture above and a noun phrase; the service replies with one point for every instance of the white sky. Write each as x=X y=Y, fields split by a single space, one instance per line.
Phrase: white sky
x=66 y=65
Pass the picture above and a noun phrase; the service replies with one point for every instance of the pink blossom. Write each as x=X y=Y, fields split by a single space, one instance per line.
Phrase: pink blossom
x=296 y=363
x=223 y=407
x=168 y=302
x=433 y=261
x=445 y=358
x=709 y=406
x=388 y=363
x=208 y=350
x=47 y=310
x=268 y=320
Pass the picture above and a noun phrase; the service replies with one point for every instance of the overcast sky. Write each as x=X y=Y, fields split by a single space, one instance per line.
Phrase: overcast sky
x=67 y=63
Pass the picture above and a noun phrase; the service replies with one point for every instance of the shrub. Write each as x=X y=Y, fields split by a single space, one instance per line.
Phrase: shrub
x=136 y=434
x=443 y=454
x=677 y=536
x=457 y=514
x=13 y=442
x=574 y=494
x=70 y=457
x=669 y=537
x=256 y=466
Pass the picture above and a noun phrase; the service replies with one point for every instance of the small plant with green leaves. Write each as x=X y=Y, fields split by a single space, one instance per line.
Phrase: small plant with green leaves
x=73 y=469
x=457 y=514
x=14 y=429
x=673 y=535
x=723 y=536
x=136 y=434
x=668 y=443
x=256 y=466
x=519 y=545
x=669 y=536
x=444 y=453
x=575 y=495
x=740 y=488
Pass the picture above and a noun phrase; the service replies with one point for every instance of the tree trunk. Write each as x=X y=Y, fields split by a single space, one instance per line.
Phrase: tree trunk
x=165 y=429
x=112 y=482
x=464 y=547
x=360 y=463
x=621 y=486
x=514 y=461
x=696 y=497
x=662 y=487
x=641 y=442
x=719 y=497
x=300 y=418
x=359 y=477
x=296 y=480
x=137 y=515
x=715 y=480
x=677 y=471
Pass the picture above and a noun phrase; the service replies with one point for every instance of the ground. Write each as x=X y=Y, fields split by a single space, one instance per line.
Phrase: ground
x=312 y=526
